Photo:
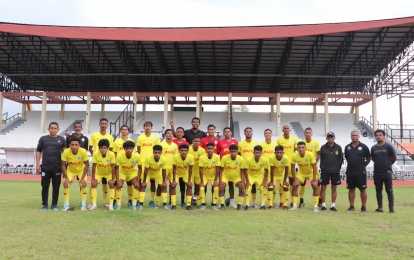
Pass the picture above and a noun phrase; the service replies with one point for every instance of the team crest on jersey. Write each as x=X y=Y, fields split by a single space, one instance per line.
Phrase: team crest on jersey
x=107 y=160
x=132 y=162
x=312 y=146
x=79 y=157
x=160 y=164
x=336 y=152
x=360 y=148
x=282 y=162
x=237 y=163
x=273 y=147
x=252 y=145
x=291 y=142
x=152 y=139
x=198 y=155
x=261 y=165
x=173 y=148
x=306 y=160
x=349 y=148
x=213 y=162
x=187 y=163
x=83 y=139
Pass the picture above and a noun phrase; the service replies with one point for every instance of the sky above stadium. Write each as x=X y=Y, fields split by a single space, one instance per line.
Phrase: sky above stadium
x=212 y=13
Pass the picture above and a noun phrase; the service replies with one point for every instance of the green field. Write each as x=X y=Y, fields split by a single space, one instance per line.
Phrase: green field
x=27 y=233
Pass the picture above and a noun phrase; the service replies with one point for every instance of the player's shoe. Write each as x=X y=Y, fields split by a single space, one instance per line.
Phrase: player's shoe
x=227 y=202
x=129 y=203
x=233 y=205
x=377 y=210
x=194 y=201
x=215 y=207
x=324 y=208
x=115 y=204
x=270 y=207
x=293 y=208
x=263 y=207
x=111 y=207
x=92 y=207
x=285 y=208
x=106 y=205
x=83 y=207
x=141 y=207
x=183 y=204
x=239 y=207
x=152 y=204
x=254 y=205
x=281 y=205
x=291 y=204
x=134 y=207
x=363 y=209
x=157 y=207
x=315 y=208
x=189 y=208
x=351 y=208
x=301 y=205
x=44 y=207
x=54 y=208
x=66 y=208
x=201 y=207
x=166 y=207
x=332 y=209
x=173 y=207
x=392 y=211
x=247 y=207
x=221 y=207
x=118 y=207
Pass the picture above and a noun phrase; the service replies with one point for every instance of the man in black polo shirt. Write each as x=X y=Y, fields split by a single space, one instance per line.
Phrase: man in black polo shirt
x=358 y=157
x=77 y=128
x=50 y=148
x=331 y=162
x=383 y=156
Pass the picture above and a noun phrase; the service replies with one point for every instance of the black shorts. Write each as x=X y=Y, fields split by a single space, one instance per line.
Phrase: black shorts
x=334 y=177
x=356 y=181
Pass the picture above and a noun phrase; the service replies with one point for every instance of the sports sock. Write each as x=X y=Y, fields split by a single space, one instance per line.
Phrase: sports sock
x=270 y=198
x=280 y=194
x=157 y=200
x=221 y=199
x=254 y=196
x=164 y=197
x=295 y=200
x=130 y=191
x=111 y=196
x=173 y=200
x=105 y=193
x=201 y=197
x=152 y=195
x=247 y=193
x=67 y=203
x=323 y=204
x=84 y=193
x=285 y=198
x=188 y=198
x=135 y=196
x=333 y=204
x=263 y=196
x=119 y=197
x=302 y=191
x=94 y=194
x=315 y=200
x=66 y=193
x=240 y=200
x=215 y=195
x=141 y=196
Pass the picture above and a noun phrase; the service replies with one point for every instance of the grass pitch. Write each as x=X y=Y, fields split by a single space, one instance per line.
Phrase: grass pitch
x=28 y=233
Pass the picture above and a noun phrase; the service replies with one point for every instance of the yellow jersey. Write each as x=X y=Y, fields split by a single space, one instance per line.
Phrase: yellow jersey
x=246 y=149
x=75 y=161
x=169 y=150
x=103 y=164
x=183 y=165
x=97 y=136
x=304 y=163
x=231 y=168
x=268 y=149
x=118 y=144
x=155 y=167
x=196 y=154
x=257 y=169
x=313 y=147
x=289 y=145
x=209 y=165
x=279 y=165
x=146 y=143
x=128 y=166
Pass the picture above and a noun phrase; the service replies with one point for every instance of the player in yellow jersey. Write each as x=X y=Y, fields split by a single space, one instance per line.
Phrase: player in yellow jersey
x=256 y=173
x=118 y=147
x=312 y=146
x=126 y=171
x=78 y=165
x=93 y=146
x=289 y=144
x=232 y=170
x=269 y=151
x=279 y=165
x=209 y=170
x=169 y=149
x=197 y=151
x=145 y=142
x=182 y=169
x=246 y=150
x=103 y=166
x=307 y=171
x=154 y=169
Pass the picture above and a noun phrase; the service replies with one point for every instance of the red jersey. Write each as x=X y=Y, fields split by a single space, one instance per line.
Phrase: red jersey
x=180 y=143
x=204 y=141
x=223 y=146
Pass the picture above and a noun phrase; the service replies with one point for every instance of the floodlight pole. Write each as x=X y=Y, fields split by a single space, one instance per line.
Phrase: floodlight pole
x=62 y=111
x=374 y=112
x=198 y=112
x=278 y=129
x=88 y=113
x=326 y=103
x=134 y=123
x=102 y=110
x=24 y=111
x=165 y=109
x=315 y=115
x=356 y=114
x=43 y=114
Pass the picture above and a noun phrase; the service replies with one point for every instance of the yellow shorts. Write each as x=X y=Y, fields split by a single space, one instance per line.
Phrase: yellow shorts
x=157 y=178
x=304 y=177
x=227 y=179
x=99 y=177
x=196 y=177
x=128 y=177
x=205 y=179
x=278 y=178
x=169 y=175
x=290 y=172
x=185 y=177
x=256 y=180
x=72 y=175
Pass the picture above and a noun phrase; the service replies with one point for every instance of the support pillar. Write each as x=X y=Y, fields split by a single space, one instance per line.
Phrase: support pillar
x=24 y=111
x=278 y=127
x=144 y=108
x=171 y=111
x=88 y=113
x=356 y=114
x=43 y=114
x=134 y=113
x=62 y=111
x=326 y=103
x=102 y=110
x=198 y=113
x=165 y=109
x=272 y=113
x=229 y=110
x=374 y=113
x=1 y=109
x=315 y=114
x=401 y=119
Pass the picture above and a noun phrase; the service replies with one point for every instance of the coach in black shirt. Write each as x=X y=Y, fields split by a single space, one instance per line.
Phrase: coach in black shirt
x=50 y=148
x=358 y=157
x=84 y=141
x=190 y=134
x=331 y=162
x=384 y=157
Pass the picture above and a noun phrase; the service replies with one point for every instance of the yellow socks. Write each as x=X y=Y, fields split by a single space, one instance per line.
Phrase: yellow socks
x=158 y=200
x=247 y=193
x=240 y=200
x=295 y=200
x=105 y=193
x=135 y=196
x=111 y=196
x=270 y=198
x=315 y=200
x=94 y=194
x=119 y=197
x=141 y=196
x=302 y=191
x=263 y=196
x=201 y=199
x=173 y=200
x=130 y=191
x=222 y=200
x=152 y=195
x=164 y=197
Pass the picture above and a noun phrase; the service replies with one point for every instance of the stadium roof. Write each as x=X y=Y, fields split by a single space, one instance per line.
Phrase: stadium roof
x=319 y=58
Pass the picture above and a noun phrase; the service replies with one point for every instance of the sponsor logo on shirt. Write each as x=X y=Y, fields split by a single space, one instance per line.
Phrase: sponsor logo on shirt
x=303 y=164
x=127 y=167
x=103 y=165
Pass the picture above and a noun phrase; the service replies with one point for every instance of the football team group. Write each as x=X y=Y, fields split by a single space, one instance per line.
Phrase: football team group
x=193 y=159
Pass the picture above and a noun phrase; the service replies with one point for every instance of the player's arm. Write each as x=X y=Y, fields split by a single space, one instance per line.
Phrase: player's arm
x=112 y=181
x=266 y=174
x=318 y=156
x=85 y=172
x=38 y=155
x=116 y=173
x=173 y=184
x=200 y=170
x=144 y=180
x=393 y=159
x=93 y=174
x=293 y=169
x=164 y=177
x=216 y=177
x=139 y=149
x=65 y=174
x=91 y=149
x=190 y=172
x=314 y=180
x=244 y=176
x=286 y=183
x=172 y=122
x=220 y=176
x=272 y=174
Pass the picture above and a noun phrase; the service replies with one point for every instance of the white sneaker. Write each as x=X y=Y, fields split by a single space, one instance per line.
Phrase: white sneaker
x=255 y=206
x=134 y=207
x=215 y=207
x=166 y=207
x=233 y=205
x=89 y=206
x=66 y=208
x=106 y=205
x=157 y=207
x=110 y=207
x=118 y=207
x=140 y=207
x=202 y=207
x=275 y=206
x=315 y=209
x=92 y=207
x=83 y=207
x=293 y=208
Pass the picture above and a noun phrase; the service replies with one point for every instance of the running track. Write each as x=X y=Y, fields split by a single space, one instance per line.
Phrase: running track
x=32 y=177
